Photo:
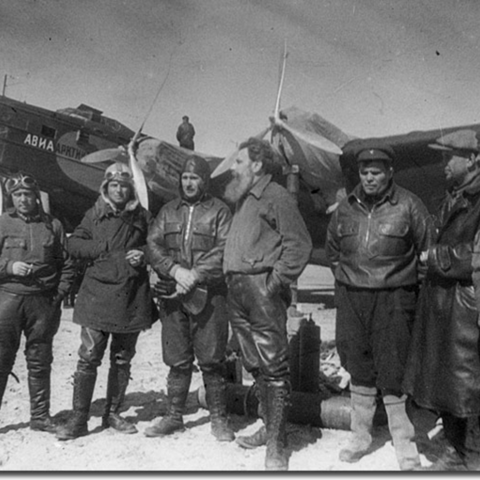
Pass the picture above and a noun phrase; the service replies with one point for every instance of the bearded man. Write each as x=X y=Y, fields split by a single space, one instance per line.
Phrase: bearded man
x=267 y=249
x=186 y=244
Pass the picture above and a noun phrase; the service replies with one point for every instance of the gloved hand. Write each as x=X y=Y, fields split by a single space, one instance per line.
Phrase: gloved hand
x=164 y=287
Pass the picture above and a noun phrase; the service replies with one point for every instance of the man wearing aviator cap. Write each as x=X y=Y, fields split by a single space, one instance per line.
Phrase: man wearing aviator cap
x=114 y=299
x=35 y=274
x=186 y=244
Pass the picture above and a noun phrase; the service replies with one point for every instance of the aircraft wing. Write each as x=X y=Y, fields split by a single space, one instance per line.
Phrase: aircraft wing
x=417 y=167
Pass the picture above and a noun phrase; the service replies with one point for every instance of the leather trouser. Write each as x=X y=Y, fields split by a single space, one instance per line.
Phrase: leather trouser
x=258 y=319
x=204 y=336
x=38 y=317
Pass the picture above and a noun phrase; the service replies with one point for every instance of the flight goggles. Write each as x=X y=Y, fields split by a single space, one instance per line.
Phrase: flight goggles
x=122 y=176
x=20 y=181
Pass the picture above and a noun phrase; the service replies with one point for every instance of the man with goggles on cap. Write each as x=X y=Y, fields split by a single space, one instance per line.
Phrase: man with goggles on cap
x=114 y=298
x=35 y=274
x=186 y=244
x=374 y=242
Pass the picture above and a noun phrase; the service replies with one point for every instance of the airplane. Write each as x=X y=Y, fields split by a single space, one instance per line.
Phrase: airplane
x=68 y=150
x=50 y=146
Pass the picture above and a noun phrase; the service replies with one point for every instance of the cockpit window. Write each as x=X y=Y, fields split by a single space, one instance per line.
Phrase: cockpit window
x=48 y=131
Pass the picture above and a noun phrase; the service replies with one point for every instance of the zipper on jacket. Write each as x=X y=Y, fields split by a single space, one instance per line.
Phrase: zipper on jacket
x=189 y=224
x=369 y=219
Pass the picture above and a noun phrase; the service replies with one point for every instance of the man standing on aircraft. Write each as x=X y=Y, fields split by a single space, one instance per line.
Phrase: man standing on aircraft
x=114 y=298
x=267 y=249
x=374 y=241
x=186 y=244
x=443 y=372
x=185 y=134
x=35 y=275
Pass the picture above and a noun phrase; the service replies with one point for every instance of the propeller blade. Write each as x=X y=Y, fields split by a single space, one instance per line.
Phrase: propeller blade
x=117 y=154
x=225 y=164
x=1 y=197
x=138 y=176
x=311 y=138
x=283 y=66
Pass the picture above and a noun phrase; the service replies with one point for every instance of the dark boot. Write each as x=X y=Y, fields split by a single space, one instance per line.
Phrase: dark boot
x=278 y=396
x=178 y=383
x=364 y=404
x=402 y=432
x=3 y=385
x=39 y=389
x=83 y=386
x=259 y=438
x=118 y=377
x=216 y=394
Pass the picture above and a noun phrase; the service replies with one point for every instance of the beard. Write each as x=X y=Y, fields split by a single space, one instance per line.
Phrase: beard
x=239 y=186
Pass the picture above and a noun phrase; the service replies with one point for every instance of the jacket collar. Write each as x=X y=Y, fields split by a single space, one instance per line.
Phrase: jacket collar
x=470 y=188
x=258 y=189
x=35 y=218
x=205 y=202
x=104 y=208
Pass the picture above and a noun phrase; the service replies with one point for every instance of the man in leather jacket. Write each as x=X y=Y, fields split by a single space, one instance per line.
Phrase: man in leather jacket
x=36 y=272
x=443 y=372
x=186 y=244
x=267 y=249
x=374 y=241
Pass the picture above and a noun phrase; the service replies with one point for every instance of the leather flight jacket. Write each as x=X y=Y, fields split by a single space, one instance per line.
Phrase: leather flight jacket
x=192 y=236
x=378 y=247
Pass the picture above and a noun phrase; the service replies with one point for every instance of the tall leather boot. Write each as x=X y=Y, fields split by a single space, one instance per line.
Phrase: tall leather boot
x=259 y=438
x=216 y=394
x=83 y=386
x=118 y=377
x=3 y=385
x=178 y=384
x=39 y=389
x=363 y=403
x=278 y=397
x=402 y=432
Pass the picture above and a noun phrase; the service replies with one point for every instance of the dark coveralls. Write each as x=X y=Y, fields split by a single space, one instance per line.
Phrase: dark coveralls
x=32 y=304
x=185 y=134
x=193 y=236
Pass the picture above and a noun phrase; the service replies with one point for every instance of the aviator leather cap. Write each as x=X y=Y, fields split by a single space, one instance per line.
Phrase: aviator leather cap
x=371 y=154
x=462 y=141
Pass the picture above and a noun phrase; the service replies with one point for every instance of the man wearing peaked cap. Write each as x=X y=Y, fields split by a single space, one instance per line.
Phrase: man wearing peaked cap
x=374 y=241
x=384 y=153
x=462 y=141
x=446 y=327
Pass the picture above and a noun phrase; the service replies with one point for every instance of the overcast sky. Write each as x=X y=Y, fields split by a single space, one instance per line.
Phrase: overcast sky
x=371 y=67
